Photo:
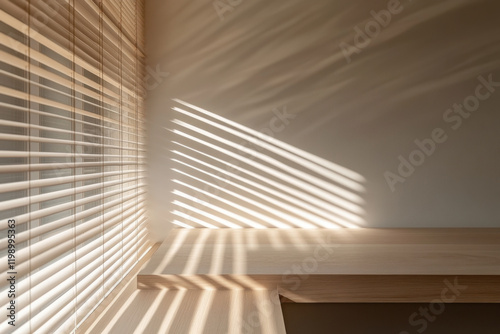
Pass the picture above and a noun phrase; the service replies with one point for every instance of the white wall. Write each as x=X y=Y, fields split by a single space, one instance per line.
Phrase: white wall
x=361 y=114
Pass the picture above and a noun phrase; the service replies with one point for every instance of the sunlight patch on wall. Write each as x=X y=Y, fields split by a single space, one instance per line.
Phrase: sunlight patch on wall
x=226 y=175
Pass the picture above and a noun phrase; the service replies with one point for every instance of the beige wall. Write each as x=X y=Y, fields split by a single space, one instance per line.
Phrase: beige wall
x=361 y=113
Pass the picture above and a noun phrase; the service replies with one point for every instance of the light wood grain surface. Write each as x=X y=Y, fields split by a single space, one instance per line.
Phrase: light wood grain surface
x=343 y=288
x=229 y=281
x=193 y=312
x=342 y=252
x=361 y=265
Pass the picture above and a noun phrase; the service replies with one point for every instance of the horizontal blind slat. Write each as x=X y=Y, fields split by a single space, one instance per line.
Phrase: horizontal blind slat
x=73 y=153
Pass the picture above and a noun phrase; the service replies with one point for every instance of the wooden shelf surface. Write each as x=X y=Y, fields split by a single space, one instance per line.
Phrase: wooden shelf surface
x=344 y=265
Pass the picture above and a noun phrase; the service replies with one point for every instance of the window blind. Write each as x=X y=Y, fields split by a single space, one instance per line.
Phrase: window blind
x=72 y=147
